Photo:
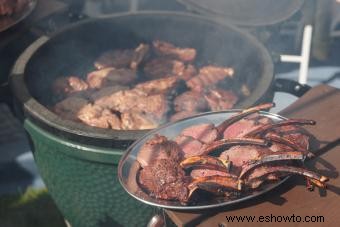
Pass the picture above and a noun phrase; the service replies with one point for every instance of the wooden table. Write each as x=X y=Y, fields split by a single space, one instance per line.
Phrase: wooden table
x=322 y=103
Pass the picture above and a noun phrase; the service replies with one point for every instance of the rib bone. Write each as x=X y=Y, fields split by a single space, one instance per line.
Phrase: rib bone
x=265 y=128
x=205 y=162
x=315 y=178
x=207 y=148
x=265 y=159
x=225 y=124
x=214 y=184
x=291 y=144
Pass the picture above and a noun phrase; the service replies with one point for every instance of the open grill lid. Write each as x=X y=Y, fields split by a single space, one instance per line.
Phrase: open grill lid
x=246 y=12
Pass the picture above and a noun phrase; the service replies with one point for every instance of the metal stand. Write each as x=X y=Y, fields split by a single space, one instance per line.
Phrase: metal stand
x=302 y=59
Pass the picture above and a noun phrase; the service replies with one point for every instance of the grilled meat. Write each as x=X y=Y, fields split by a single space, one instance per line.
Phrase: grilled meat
x=219 y=99
x=188 y=72
x=161 y=175
x=243 y=126
x=157 y=105
x=153 y=107
x=78 y=109
x=163 y=86
x=69 y=107
x=189 y=145
x=268 y=127
x=123 y=58
x=156 y=148
x=140 y=54
x=97 y=116
x=111 y=76
x=216 y=71
x=209 y=76
x=165 y=179
x=138 y=101
x=136 y=120
x=162 y=71
x=115 y=59
x=237 y=117
x=167 y=49
x=242 y=154
x=68 y=85
x=257 y=177
x=224 y=143
x=106 y=92
x=163 y=67
x=253 y=154
x=190 y=101
x=206 y=133
x=122 y=100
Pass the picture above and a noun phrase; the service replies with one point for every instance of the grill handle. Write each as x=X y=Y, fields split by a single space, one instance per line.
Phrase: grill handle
x=291 y=87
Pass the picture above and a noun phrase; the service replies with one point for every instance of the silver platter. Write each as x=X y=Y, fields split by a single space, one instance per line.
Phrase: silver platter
x=128 y=166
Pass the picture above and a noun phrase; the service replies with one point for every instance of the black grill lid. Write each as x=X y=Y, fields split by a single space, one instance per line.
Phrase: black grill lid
x=246 y=12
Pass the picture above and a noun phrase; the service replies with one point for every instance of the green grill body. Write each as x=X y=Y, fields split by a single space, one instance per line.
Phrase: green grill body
x=83 y=182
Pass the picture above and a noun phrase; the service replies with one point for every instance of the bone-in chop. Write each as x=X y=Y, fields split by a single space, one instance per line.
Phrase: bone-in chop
x=237 y=156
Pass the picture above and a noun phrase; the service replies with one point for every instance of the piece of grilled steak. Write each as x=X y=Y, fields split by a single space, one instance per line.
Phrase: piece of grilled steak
x=245 y=125
x=209 y=76
x=219 y=99
x=189 y=72
x=141 y=53
x=163 y=86
x=68 y=85
x=158 y=147
x=192 y=139
x=106 y=92
x=156 y=105
x=97 y=116
x=161 y=175
x=137 y=120
x=163 y=48
x=110 y=77
x=115 y=59
x=69 y=107
x=123 y=58
x=206 y=132
x=190 y=101
x=163 y=67
x=122 y=100
x=134 y=104
x=165 y=179
x=295 y=134
x=189 y=145
x=240 y=155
